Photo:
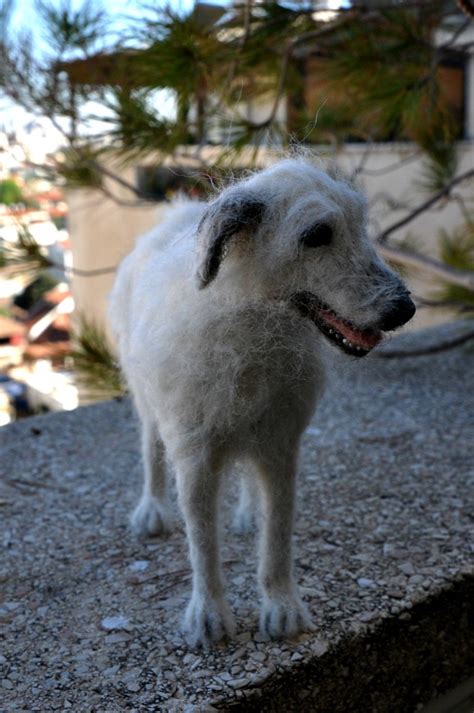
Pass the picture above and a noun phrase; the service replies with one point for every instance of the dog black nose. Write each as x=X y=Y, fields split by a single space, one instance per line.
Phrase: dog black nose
x=400 y=313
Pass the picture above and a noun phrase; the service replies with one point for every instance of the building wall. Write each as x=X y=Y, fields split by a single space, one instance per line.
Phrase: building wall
x=102 y=232
x=398 y=172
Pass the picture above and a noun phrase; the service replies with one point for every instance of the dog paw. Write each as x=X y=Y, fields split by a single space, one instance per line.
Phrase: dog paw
x=207 y=620
x=150 y=518
x=284 y=615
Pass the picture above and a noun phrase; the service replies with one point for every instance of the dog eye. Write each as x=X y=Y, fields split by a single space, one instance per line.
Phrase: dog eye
x=317 y=235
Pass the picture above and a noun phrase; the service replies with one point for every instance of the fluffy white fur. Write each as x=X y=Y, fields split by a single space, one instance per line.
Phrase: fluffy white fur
x=222 y=366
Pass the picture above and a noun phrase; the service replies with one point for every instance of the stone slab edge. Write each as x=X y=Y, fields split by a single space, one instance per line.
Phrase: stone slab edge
x=393 y=666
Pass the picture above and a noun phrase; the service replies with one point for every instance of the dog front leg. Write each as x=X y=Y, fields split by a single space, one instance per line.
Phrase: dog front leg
x=282 y=612
x=208 y=617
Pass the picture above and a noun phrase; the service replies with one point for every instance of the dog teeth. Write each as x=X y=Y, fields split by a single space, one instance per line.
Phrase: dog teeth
x=341 y=340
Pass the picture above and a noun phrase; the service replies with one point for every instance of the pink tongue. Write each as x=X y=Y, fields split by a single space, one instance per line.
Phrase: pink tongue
x=361 y=339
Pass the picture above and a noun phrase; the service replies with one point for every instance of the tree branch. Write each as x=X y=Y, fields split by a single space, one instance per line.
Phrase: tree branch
x=87 y=273
x=457 y=33
x=424 y=206
x=285 y=61
x=460 y=306
x=404 y=256
x=392 y=166
x=424 y=351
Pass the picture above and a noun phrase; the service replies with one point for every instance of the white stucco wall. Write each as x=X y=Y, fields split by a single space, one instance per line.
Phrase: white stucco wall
x=102 y=232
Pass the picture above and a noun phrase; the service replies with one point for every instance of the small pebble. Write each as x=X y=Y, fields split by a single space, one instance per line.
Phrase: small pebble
x=139 y=565
x=367 y=616
x=319 y=648
x=11 y=606
x=239 y=683
x=407 y=568
x=115 y=623
x=117 y=638
x=366 y=583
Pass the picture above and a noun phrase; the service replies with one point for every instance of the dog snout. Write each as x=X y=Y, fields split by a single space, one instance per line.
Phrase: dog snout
x=400 y=313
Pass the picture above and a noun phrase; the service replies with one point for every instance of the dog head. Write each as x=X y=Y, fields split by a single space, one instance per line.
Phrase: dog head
x=294 y=233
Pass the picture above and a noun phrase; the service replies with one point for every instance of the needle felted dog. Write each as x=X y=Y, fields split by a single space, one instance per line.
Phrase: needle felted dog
x=219 y=314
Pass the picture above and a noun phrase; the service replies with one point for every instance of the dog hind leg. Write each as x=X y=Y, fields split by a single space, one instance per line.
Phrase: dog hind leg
x=152 y=516
x=247 y=507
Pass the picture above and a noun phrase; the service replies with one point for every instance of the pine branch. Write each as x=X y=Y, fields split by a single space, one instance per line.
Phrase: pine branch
x=414 y=156
x=404 y=256
x=291 y=45
x=425 y=351
x=456 y=34
x=423 y=207
x=28 y=256
x=94 y=361
x=460 y=306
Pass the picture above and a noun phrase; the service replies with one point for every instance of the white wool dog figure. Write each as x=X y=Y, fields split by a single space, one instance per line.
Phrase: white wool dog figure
x=219 y=314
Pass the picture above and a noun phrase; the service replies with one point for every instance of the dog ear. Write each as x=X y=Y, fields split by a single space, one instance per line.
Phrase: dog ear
x=224 y=219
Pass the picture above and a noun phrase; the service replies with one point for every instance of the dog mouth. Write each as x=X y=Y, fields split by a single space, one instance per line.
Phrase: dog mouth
x=344 y=334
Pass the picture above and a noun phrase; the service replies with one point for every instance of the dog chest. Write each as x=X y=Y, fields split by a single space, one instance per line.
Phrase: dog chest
x=228 y=371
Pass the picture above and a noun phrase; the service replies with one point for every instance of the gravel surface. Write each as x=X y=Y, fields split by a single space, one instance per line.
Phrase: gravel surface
x=90 y=616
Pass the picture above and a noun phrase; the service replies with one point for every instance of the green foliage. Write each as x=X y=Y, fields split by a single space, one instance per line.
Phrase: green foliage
x=382 y=61
x=440 y=165
x=94 y=362
x=80 y=167
x=138 y=130
x=25 y=256
x=60 y=222
x=35 y=290
x=386 y=65
x=457 y=250
x=66 y=28
x=10 y=192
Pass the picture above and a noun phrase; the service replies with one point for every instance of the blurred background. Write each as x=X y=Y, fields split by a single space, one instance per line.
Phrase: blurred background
x=109 y=110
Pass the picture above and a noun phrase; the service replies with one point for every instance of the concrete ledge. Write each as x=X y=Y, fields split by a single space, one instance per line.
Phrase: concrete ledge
x=384 y=556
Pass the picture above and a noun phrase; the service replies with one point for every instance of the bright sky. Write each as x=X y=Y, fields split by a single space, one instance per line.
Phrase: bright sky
x=24 y=17
x=25 y=8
